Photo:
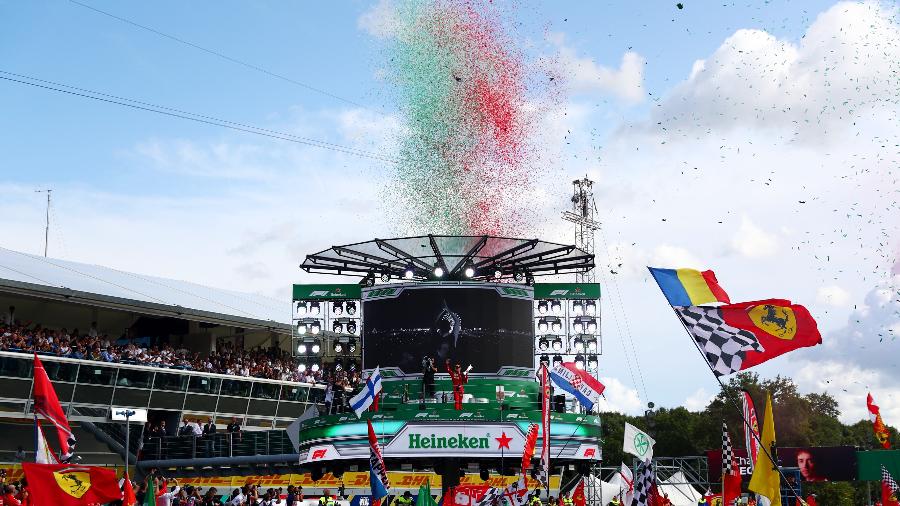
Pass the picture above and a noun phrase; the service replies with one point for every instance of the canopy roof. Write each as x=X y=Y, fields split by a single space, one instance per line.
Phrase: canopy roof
x=50 y=278
x=418 y=257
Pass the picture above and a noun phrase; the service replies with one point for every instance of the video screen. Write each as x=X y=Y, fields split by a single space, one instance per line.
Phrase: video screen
x=816 y=464
x=468 y=325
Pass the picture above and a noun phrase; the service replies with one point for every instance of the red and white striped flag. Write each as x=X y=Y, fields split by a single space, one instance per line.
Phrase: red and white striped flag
x=751 y=428
x=544 y=472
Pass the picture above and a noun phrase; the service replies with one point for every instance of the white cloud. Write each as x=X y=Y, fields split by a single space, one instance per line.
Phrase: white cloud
x=841 y=70
x=698 y=400
x=583 y=74
x=619 y=398
x=752 y=241
x=380 y=21
x=833 y=295
x=849 y=384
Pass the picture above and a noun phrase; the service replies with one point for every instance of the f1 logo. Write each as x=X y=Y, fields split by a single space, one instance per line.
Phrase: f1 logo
x=319 y=454
x=588 y=453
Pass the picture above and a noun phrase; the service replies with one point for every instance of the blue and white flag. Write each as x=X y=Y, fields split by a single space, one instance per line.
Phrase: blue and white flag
x=361 y=401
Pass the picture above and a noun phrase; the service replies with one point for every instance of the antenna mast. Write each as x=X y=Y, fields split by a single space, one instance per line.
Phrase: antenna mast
x=583 y=215
x=47 y=223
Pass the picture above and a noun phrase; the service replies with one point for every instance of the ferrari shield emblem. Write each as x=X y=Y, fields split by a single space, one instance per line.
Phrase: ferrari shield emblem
x=72 y=481
x=776 y=320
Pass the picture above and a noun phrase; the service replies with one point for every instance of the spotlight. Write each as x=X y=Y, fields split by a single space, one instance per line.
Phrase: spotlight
x=557 y=359
x=301 y=367
x=469 y=272
x=557 y=344
x=578 y=326
x=577 y=307
x=301 y=349
x=592 y=362
x=542 y=307
x=315 y=367
x=592 y=326
x=408 y=273
x=529 y=279
x=385 y=277
x=301 y=308
x=337 y=308
x=338 y=347
x=302 y=328
x=337 y=328
x=542 y=325
x=351 y=346
x=315 y=348
x=578 y=344
x=590 y=307
x=518 y=276
x=543 y=344
x=545 y=359
x=351 y=327
x=351 y=307
x=498 y=273
x=315 y=328
x=338 y=364
x=368 y=280
x=314 y=308
x=579 y=361
x=591 y=345
x=438 y=271
x=557 y=326
x=555 y=306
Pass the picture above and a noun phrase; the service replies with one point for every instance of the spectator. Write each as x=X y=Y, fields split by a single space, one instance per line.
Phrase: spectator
x=234 y=426
x=20 y=454
x=210 y=427
x=165 y=498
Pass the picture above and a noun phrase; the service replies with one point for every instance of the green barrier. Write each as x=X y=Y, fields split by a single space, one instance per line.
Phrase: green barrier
x=869 y=464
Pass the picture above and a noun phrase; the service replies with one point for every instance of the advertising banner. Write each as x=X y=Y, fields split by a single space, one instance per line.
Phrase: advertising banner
x=327 y=292
x=567 y=291
x=456 y=439
x=816 y=464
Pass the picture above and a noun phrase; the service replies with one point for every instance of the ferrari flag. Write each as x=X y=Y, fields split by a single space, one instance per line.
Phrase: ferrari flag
x=71 y=485
x=736 y=337
x=47 y=405
x=881 y=431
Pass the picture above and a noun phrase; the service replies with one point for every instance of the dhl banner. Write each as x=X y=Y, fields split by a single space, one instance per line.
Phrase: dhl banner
x=357 y=480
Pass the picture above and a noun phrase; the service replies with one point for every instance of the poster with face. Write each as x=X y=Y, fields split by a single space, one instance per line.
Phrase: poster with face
x=816 y=464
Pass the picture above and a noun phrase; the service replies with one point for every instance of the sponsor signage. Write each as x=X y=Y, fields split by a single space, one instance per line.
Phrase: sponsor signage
x=472 y=440
x=816 y=463
x=327 y=292
x=567 y=290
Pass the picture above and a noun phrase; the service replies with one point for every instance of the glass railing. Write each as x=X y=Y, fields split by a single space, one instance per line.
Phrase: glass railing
x=260 y=403
x=239 y=444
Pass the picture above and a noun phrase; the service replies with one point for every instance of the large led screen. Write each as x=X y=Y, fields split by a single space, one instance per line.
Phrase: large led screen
x=474 y=326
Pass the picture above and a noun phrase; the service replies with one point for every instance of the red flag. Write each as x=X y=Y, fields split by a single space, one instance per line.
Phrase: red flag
x=751 y=428
x=530 y=442
x=888 y=497
x=47 y=405
x=128 y=497
x=71 y=485
x=578 y=498
x=881 y=432
x=545 y=428
x=779 y=326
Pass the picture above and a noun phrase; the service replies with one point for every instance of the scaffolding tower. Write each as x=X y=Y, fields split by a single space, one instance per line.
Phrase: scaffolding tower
x=584 y=215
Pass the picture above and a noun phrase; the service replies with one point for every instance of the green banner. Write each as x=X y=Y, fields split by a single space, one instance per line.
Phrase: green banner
x=327 y=292
x=869 y=464
x=567 y=290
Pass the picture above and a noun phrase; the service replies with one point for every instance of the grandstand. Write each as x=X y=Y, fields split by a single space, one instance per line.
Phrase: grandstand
x=112 y=339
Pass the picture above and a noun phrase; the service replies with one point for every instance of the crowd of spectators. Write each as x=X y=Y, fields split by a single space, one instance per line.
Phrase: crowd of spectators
x=269 y=363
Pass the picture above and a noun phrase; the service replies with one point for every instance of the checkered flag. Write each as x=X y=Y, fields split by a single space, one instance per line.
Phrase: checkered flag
x=643 y=483
x=492 y=496
x=888 y=481
x=722 y=345
x=727 y=452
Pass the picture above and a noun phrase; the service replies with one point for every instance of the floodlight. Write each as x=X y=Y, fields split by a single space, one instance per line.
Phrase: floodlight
x=578 y=344
x=338 y=347
x=578 y=326
x=409 y=273
x=351 y=307
x=498 y=273
x=337 y=308
x=557 y=359
x=592 y=325
x=301 y=367
x=542 y=307
x=315 y=349
x=555 y=306
x=385 y=277
x=545 y=359
x=579 y=361
x=315 y=367
x=337 y=328
x=302 y=328
x=301 y=308
x=351 y=327
x=590 y=307
x=518 y=276
x=314 y=308
x=301 y=349
x=556 y=326
x=315 y=328
x=577 y=307
x=557 y=344
x=542 y=325
x=591 y=345
x=543 y=344
x=351 y=346
x=593 y=362
x=438 y=271
x=469 y=272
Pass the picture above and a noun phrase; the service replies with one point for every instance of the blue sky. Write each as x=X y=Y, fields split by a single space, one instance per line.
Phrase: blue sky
x=737 y=112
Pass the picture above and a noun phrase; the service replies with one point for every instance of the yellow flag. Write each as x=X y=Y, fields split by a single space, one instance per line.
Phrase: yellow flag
x=766 y=480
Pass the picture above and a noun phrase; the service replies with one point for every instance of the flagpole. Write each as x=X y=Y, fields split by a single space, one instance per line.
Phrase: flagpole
x=722 y=385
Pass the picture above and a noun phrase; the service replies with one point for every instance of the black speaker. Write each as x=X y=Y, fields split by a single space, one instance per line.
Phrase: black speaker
x=559 y=403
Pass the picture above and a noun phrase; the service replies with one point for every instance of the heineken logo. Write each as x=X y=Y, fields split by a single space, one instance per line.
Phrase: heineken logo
x=518 y=292
x=380 y=292
x=418 y=441
x=641 y=443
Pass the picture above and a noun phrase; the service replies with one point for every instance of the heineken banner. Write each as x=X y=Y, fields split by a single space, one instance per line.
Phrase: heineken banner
x=327 y=292
x=457 y=439
x=566 y=290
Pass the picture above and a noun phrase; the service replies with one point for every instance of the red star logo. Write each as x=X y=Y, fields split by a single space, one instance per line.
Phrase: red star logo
x=503 y=440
